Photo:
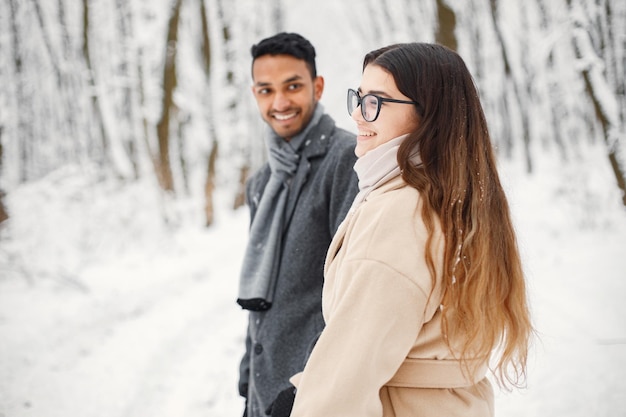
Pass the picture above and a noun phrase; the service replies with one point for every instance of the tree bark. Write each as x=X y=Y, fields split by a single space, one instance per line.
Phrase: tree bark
x=4 y=215
x=209 y=185
x=233 y=103
x=94 y=97
x=127 y=112
x=24 y=129
x=600 y=90
x=70 y=87
x=607 y=126
x=447 y=23
x=3 y=211
x=165 y=177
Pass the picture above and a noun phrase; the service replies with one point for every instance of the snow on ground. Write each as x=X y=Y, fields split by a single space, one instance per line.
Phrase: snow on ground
x=105 y=311
x=121 y=316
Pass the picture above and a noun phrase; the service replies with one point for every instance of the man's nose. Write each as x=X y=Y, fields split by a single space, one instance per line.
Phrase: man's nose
x=281 y=101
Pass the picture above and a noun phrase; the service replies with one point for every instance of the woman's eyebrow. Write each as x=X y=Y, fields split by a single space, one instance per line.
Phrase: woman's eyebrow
x=374 y=92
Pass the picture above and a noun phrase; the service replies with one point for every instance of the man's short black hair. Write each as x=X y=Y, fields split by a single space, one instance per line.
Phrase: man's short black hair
x=287 y=44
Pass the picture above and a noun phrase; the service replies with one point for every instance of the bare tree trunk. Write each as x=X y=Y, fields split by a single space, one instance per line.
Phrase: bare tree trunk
x=145 y=126
x=447 y=23
x=510 y=79
x=557 y=113
x=66 y=110
x=616 y=19
x=114 y=156
x=476 y=45
x=165 y=177
x=24 y=129
x=233 y=103
x=596 y=86
x=127 y=110
x=4 y=215
x=3 y=212
x=240 y=195
x=94 y=97
x=181 y=121
x=70 y=87
x=46 y=41
x=209 y=185
x=277 y=14
x=374 y=28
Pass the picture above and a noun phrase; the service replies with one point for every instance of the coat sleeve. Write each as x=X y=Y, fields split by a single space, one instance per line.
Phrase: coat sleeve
x=244 y=368
x=375 y=319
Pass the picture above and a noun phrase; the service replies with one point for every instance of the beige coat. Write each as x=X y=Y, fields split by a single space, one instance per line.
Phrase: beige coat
x=382 y=352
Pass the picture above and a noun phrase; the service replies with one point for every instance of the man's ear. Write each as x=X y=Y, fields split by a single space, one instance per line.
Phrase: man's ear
x=318 y=84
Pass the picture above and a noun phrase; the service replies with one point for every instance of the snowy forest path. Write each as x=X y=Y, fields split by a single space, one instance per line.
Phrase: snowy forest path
x=154 y=345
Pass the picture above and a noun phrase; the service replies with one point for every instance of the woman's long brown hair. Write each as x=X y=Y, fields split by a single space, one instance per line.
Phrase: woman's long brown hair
x=485 y=310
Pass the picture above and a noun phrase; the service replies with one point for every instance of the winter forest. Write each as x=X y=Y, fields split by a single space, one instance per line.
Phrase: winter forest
x=128 y=129
x=143 y=88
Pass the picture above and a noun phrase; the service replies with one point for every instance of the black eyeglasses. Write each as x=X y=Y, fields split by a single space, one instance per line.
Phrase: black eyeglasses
x=370 y=104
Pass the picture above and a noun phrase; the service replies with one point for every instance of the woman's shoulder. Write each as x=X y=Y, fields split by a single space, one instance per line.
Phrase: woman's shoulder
x=388 y=229
x=395 y=197
x=390 y=211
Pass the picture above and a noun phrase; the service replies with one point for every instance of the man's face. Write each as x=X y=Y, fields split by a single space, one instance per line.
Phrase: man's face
x=285 y=93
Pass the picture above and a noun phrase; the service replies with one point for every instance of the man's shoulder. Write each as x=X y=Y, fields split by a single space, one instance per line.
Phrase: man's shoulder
x=343 y=136
x=342 y=141
x=259 y=177
x=330 y=142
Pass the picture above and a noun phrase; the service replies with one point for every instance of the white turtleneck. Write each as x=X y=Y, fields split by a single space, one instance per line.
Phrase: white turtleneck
x=377 y=167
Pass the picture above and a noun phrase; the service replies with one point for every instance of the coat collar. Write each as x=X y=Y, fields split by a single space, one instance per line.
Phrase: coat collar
x=394 y=183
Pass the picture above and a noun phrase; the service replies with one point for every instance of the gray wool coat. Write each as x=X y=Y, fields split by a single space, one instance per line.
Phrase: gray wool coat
x=280 y=339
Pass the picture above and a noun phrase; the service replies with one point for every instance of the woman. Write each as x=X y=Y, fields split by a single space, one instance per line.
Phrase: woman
x=424 y=290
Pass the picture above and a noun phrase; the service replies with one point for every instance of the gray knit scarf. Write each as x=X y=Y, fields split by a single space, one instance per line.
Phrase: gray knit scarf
x=259 y=271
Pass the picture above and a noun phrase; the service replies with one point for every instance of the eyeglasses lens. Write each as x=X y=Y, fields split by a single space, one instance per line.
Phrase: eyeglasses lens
x=353 y=101
x=369 y=105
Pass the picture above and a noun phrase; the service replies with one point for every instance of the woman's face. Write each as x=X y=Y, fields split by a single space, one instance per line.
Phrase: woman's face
x=394 y=119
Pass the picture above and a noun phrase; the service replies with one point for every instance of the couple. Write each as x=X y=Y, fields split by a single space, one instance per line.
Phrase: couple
x=414 y=265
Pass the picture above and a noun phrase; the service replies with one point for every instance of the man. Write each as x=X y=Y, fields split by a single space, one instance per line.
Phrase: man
x=297 y=201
